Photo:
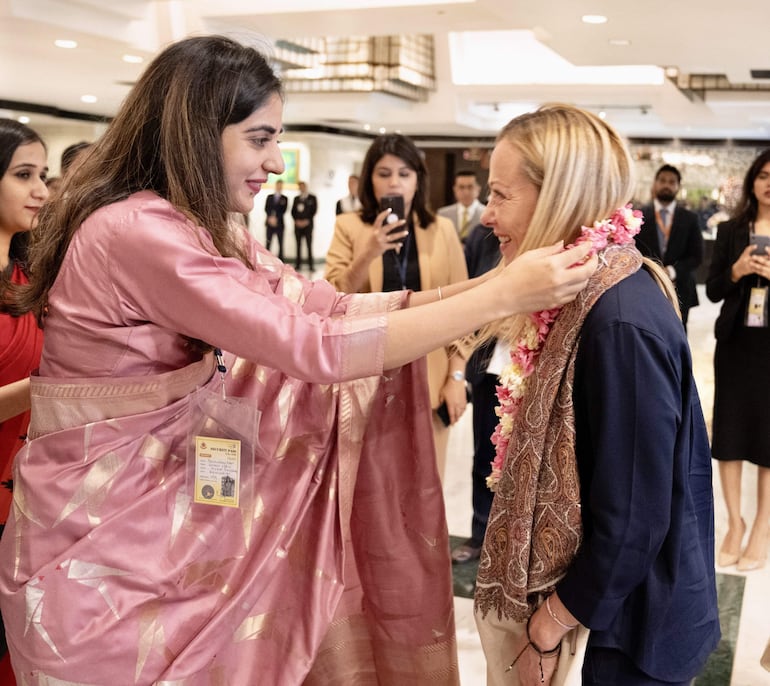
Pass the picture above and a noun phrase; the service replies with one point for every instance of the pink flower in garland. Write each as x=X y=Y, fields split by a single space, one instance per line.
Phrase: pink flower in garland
x=620 y=228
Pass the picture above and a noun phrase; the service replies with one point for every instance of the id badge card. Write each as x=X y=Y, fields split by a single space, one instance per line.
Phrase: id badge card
x=221 y=449
x=756 y=312
x=217 y=471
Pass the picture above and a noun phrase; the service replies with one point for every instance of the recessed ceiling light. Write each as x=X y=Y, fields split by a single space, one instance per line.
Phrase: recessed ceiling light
x=622 y=42
x=602 y=114
x=88 y=98
x=133 y=59
x=594 y=19
x=367 y=127
x=382 y=129
x=62 y=43
x=23 y=119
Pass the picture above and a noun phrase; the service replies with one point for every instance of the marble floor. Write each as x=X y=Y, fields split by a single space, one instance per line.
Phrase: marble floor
x=744 y=598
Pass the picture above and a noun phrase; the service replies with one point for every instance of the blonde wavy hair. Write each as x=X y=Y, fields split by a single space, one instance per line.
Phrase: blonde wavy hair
x=583 y=173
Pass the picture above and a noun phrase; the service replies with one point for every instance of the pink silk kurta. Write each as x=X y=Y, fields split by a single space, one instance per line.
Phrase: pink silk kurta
x=335 y=571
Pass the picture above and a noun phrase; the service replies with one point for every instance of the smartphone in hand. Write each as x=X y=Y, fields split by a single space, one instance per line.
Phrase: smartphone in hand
x=394 y=203
x=760 y=242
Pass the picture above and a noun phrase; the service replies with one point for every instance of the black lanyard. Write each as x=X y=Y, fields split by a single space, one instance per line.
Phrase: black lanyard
x=402 y=259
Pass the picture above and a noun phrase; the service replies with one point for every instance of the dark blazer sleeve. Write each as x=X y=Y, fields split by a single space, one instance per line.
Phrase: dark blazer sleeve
x=732 y=238
x=647 y=238
x=686 y=253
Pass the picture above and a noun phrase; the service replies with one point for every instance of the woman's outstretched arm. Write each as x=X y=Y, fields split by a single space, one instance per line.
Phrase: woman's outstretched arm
x=538 y=279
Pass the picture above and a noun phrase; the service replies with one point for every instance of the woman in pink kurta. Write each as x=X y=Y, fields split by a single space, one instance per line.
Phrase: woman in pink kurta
x=333 y=565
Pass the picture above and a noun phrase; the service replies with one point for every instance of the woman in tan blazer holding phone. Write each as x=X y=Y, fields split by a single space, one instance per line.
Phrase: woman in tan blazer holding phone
x=373 y=251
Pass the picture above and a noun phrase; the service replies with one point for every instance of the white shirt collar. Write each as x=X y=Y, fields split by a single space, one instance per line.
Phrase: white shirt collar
x=670 y=207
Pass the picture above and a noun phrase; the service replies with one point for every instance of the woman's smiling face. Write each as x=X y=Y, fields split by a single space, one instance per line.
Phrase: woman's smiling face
x=512 y=199
x=250 y=152
x=22 y=189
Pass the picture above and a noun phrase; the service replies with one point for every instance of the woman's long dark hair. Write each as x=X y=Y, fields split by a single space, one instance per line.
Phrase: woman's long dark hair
x=166 y=138
x=746 y=210
x=402 y=147
x=14 y=134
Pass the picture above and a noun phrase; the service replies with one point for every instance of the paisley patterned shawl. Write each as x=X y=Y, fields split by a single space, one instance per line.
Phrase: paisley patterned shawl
x=535 y=527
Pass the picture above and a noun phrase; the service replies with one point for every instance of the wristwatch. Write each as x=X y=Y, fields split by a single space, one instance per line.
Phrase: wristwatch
x=458 y=375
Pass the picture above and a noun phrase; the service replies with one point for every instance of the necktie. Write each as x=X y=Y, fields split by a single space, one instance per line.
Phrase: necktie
x=464 y=223
x=664 y=220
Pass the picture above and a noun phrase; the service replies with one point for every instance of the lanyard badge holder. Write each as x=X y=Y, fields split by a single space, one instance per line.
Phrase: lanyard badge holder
x=221 y=446
x=757 y=310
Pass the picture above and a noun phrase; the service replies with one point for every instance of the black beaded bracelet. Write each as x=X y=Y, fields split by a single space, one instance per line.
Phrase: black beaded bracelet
x=554 y=652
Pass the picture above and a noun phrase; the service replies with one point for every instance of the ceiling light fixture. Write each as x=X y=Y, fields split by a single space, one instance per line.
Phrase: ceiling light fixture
x=64 y=43
x=594 y=19
x=133 y=59
x=88 y=98
x=23 y=119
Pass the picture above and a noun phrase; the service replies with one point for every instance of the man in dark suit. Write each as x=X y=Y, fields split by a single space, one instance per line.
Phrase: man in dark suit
x=672 y=236
x=276 y=205
x=302 y=211
x=482 y=253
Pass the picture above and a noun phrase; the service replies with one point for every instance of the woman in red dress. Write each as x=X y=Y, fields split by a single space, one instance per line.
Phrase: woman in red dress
x=23 y=191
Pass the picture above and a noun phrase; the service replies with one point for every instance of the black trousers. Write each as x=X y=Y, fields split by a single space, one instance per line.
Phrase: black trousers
x=305 y=234
x=276 y=231
x=484 y=401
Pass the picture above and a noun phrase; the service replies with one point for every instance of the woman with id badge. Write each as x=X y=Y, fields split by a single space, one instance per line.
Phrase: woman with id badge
x=740 y=276
x=228 y=479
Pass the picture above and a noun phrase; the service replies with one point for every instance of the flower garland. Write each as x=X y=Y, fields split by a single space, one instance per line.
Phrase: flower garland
x=620 y=229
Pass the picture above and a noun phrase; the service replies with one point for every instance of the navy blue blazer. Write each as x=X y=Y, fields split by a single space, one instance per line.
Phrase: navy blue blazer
x=643 y=580
x=684 y=250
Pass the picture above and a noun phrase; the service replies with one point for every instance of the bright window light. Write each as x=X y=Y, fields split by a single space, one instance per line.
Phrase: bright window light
x=520 y=59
